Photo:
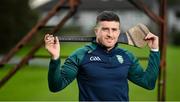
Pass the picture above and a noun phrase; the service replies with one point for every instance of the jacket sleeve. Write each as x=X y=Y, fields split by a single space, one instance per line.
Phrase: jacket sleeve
x=146 y=79
x=61 y=76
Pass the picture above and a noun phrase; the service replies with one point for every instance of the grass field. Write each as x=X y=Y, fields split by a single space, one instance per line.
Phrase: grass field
x=30 y=83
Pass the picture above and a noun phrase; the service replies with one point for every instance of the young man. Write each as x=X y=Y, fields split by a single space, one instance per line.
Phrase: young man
x=101 y=68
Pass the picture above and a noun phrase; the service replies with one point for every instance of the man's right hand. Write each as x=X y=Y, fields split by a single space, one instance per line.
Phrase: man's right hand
x=52 y=45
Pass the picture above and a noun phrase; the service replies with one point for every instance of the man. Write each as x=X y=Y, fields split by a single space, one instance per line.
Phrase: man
x=101 y=68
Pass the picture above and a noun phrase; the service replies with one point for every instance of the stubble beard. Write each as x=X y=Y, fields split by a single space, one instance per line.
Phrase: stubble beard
x=107 y=47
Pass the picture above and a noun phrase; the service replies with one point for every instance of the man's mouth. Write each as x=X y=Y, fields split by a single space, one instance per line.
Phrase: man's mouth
x=109 y=39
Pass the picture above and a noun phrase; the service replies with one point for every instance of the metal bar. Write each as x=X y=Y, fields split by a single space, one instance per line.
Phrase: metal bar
x=31 y=33
x=142 y=6
x=32 y=52
x=163 y=47
x=19 y=65
x=159 y=85
x=69 y=15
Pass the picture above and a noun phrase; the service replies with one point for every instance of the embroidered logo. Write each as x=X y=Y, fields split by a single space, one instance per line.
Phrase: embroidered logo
x=120 y=58
x=89 y=51
x=94 y=58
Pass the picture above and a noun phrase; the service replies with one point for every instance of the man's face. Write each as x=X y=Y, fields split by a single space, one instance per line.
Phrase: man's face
x=107 y=33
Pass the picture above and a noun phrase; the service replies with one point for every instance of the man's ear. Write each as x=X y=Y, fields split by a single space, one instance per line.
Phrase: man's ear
x=95 y=30
x=119 y=32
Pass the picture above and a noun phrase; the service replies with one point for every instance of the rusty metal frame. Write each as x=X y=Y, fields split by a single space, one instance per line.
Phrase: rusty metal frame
x=29 y=55
x=163 y=47
x=160 y=19
x=31 y=33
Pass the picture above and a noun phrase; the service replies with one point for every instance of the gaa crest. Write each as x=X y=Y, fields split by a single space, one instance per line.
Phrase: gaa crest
x=120 y=58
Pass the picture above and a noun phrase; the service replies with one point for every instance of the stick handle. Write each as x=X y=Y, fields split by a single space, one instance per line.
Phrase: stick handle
x=134 y=37
x=122 y=38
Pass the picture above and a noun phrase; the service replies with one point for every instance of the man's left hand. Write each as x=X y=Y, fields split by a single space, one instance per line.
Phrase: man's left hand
x=152 y=40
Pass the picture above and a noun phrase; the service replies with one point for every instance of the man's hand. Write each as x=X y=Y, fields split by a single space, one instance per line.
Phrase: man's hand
x=152 y=40
x=52 y=45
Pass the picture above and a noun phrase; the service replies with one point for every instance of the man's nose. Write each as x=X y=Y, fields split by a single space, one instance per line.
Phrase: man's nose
x=110 y=33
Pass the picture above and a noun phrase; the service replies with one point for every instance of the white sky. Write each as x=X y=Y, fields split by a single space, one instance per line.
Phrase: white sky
x=36 y=3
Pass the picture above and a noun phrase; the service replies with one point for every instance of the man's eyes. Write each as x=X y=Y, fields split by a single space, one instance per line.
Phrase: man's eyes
x=107 y=29
x=114 y=29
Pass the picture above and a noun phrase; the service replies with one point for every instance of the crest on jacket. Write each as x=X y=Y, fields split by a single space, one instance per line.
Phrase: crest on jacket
x=120 y=58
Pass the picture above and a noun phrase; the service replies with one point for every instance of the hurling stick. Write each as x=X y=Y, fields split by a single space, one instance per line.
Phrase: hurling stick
x=134 y=37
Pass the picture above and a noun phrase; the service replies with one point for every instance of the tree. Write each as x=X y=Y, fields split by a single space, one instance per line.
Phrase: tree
x=15 y=21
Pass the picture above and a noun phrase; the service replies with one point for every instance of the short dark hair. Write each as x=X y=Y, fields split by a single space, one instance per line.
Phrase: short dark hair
x=107 y=16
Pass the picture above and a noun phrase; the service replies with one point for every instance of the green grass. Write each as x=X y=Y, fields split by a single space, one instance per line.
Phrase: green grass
x=30 y=83
x=173 y=70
